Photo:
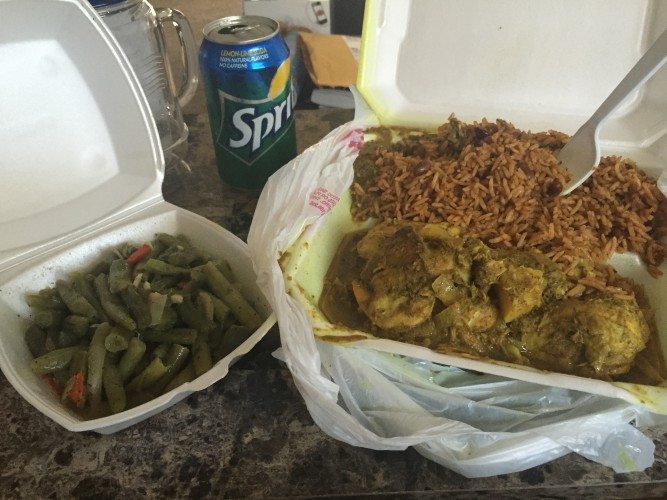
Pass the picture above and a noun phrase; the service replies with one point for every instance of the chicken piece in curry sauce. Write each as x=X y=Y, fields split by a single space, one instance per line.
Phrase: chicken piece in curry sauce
x=429 y=285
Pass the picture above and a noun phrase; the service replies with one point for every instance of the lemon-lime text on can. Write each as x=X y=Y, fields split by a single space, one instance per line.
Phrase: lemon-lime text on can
x=246 y=72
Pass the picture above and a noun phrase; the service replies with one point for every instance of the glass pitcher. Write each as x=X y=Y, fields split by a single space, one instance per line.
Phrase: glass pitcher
x=139 y=29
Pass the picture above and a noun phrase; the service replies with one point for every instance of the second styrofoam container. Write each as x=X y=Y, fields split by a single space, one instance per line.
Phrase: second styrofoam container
x=540 y=65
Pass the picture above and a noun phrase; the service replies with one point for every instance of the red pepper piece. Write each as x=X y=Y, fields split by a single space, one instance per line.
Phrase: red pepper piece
x=51 y=382
x=140 y=253
x=77 y=393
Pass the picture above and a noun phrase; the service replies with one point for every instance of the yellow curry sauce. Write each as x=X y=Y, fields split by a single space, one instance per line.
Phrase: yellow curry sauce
x=427 y=284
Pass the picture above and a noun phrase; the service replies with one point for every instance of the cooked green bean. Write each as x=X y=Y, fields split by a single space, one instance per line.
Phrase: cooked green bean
x=101 y=267
x=138 y=307
x=76 y=325
x=114 y=357
x=160 y=267
x=184 y=336
x=187 y=374
x=52 y=361
x=35 y=338
x=168 y=320
x=115 y=342
x=169 y=240
x=224 y=267
x=74 y=301
x=148 y=376
x=233 y=337
x=51 y=339
x=177 y=354
x=45 y=299
x=230 y=295
x=220 y=309
x=198 y=275
x=175 y=359
x=48 y=317
x=79 y=362
x=119 y=276
x=124 y=250
x=194 y=283
x=61 y=376
x=201 y=355
x=66 y=339
x=96 y=355
x=214 y=342
x=123 y=332
x=137 y=398
x=158 y=248
x=84 y=285
x=160 y=351
x=194 y=317
x=156 y=304
x=164 y=283
x=131 y=358
x=183 y=257
x=113 y=388
x=111 y=305
x=205 y=305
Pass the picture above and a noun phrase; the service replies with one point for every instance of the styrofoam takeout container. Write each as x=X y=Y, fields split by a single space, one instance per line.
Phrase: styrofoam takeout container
x=82 y=170
x=540 y=65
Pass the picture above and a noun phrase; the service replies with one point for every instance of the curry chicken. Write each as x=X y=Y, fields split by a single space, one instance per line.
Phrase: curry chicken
x=427 y=284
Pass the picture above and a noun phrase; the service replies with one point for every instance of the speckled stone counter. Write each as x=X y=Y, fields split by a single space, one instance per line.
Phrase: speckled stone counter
x=250 y=435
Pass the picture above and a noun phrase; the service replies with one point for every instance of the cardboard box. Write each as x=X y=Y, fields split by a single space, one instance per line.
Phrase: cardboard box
x=331 y=60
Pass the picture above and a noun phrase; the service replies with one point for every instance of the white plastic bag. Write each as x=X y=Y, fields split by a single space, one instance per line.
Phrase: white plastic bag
x=477 y=425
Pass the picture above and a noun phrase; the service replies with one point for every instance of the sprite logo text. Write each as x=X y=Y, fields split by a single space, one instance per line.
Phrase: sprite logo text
x=252 y=127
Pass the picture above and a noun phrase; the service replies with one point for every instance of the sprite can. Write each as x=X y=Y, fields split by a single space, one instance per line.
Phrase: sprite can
x=245 y=66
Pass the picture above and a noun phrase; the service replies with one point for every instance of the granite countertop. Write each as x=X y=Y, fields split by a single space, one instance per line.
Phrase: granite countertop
x=251 y=434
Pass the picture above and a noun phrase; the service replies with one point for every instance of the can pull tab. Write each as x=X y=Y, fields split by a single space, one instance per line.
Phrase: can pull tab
x=189 y=75
x=238 y=28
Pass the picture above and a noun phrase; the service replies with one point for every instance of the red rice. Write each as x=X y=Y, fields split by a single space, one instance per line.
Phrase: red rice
x=502 y=187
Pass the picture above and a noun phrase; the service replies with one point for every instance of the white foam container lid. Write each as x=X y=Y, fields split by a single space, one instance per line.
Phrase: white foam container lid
x=82 y=170
x=540 y=65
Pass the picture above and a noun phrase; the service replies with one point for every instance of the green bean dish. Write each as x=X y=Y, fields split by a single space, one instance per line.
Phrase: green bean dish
x=143 y=321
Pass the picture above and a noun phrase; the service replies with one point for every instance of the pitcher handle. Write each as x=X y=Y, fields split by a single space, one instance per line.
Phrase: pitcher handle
x=190 y=74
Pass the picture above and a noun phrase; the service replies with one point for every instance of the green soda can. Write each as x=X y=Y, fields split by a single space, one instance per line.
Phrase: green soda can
x=245 y=66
